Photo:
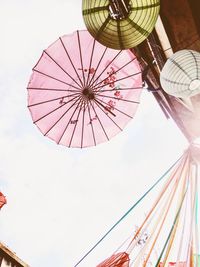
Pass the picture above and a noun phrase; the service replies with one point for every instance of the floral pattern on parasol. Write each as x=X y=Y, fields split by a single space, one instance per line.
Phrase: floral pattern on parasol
x=81 y=93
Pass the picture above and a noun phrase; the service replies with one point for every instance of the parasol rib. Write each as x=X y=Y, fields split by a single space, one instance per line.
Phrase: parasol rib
x=70 y=60
x=51 y=89
x=62 y=68
x=122 y=89
x=102 y=56
x=99 y=105
x=91 y=125
x=54 y=78
x=118 y=71
x=75 y=124
x=91 y=58
x=100 y=122
x=55 y=109
x=83 y=121
x=62 y=116
x=51 y=100
x=111 y=83
x=106 y=68
x=117 y=80
x=121 y=99
x=81 y=58
x=117 y=109
x=70 y=119
x=104 y=107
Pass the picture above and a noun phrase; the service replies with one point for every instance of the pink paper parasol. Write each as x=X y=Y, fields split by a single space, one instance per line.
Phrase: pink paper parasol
x=81 y=93
x=2 y=200
x=120 y=259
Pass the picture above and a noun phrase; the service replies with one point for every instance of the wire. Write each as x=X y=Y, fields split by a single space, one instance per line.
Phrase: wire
x=130 y=209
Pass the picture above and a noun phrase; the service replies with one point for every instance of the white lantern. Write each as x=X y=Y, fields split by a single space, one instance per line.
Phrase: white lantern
x=180 y=75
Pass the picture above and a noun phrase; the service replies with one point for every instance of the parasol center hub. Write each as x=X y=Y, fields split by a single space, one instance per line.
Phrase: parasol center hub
x=88 y=93
x=194 y=85
x=119 y=9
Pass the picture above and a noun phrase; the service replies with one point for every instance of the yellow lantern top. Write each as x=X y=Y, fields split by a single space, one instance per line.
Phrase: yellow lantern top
x=120 y=24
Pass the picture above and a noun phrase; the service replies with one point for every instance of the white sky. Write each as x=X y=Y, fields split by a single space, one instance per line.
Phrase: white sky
x=61 y=200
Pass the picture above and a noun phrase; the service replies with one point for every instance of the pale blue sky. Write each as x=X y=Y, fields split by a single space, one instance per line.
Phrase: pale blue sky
x=62 y=200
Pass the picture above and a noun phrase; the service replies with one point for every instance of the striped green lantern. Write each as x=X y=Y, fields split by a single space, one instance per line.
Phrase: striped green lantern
x=120 y=24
